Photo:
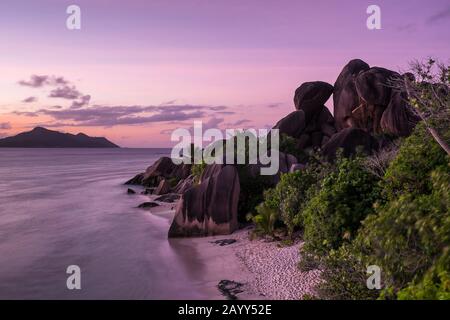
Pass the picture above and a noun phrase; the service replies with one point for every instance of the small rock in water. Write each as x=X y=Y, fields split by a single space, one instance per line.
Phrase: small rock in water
x=230 y=288
x=131 y=191
x=148 y=205
x=170 y=197
x=148 y=191
x=224 y=242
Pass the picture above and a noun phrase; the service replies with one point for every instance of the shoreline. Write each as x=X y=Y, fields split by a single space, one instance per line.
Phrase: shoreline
x=261 y=270
x=258 y=269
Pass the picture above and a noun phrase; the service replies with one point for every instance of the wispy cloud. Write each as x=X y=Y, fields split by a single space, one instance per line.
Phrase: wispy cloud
x=81 y=112
x=274 y=105
x=29 y=100
x=108 y=116
x=438 y=16
x=39 y=81
x=409 y=27
x=5 y=125
x=83 y=101
x=65 y=92
x=239 y=122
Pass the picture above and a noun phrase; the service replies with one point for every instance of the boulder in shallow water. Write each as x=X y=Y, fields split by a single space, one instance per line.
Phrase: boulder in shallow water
x=137 y=179
x=148 y=205
x=209 y=208
x=170 y=198
x=131 y=191
x=163 y=188
x=184 y=185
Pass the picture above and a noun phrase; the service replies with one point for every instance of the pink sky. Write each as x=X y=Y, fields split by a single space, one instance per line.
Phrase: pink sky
x=153 y=66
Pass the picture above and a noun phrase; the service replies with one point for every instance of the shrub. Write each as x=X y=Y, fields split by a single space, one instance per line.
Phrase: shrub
x=409 y=172
x=435 y=284
x=288 y=145
x=293 y=192
x=197 y=170
x=404 y=238
x=345 y=275
x=252 y=190
x=335 y=212
x=409 y=234
x=264 y=220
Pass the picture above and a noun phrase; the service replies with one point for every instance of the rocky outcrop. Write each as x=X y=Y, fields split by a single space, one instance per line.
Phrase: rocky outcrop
x=169 y=198
x=209 y=208
x=184 y=185
x=345 y=96
x=349 y=140
x=297 y=167
x=292 y=125
x=312 y=133
x=148 y=205
x=364 y=98
x=310 y=97
x=137 y=179
x=286 y=161
x=162 y=169
x=163 y=188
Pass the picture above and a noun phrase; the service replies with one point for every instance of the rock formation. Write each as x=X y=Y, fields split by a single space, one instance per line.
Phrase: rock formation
x=364 y=105
x=345 y=97
x=349 y=140
x=209 y=208
x=364 y=98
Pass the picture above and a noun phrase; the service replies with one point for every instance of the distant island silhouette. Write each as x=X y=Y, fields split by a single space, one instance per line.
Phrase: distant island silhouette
x=43 y=138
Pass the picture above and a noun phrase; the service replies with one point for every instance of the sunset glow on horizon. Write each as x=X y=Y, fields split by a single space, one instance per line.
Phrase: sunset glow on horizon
x=138 y=69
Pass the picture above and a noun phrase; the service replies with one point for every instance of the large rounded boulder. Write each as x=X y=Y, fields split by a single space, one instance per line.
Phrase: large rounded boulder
x=349 y=140
x=311 y=96
x=210 y=208
x=374 y=86
x=292 y=125
x=398 y=119
x=345 y=96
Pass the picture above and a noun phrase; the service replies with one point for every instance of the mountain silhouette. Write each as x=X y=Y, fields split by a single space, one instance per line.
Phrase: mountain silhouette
x=43 y=138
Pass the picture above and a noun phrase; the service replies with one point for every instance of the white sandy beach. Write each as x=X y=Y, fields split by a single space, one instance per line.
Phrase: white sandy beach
x=265 y=269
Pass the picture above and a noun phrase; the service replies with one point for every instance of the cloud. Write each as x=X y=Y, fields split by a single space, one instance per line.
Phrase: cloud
x=83 y=101
x=29 y=99
x=80 y=111
x=35 y=81
x=108 y=116
x=212 y=123
x=239 y=122
x=441 y=15
x=274 y=105
x=38 y=81
x=65 y=92
x=169 y=102
x=226 y=112
x=5 y=125
x=410 y=27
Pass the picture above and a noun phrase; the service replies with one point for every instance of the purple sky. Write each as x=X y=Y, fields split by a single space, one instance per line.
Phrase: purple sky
x=152 y=66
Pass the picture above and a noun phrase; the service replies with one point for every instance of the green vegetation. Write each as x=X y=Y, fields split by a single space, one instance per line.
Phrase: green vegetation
x=264 y=220
x=334 y=214
x=408 y=235
x=197 y=171
x=390 y=210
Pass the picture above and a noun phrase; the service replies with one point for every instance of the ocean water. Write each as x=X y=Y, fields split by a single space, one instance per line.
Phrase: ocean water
x=62 y=207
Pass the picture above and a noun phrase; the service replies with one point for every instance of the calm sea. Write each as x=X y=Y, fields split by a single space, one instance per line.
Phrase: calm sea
x=61 y=207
